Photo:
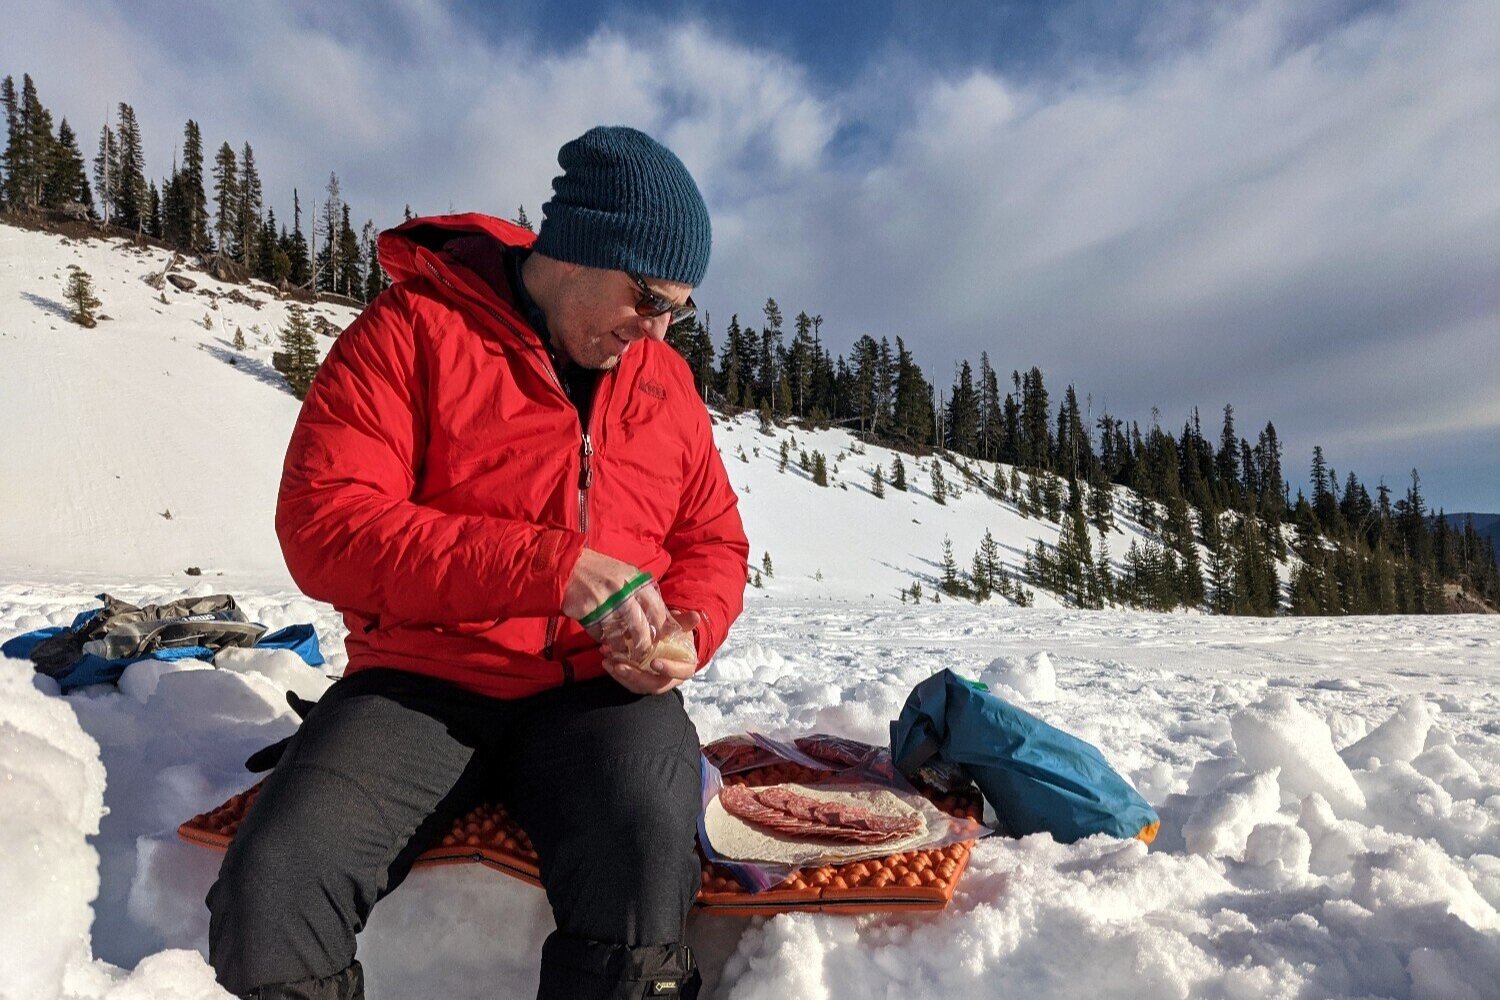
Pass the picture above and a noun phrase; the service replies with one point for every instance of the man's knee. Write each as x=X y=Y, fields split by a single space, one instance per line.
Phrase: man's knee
x=289 y=898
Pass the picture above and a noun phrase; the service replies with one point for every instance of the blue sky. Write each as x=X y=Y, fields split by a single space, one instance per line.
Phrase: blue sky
x=1289 y=206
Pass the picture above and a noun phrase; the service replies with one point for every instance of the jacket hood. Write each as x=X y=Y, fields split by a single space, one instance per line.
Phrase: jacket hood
x=402 y=249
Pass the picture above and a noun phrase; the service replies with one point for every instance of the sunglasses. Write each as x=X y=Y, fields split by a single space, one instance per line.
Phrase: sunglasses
x=651 y=305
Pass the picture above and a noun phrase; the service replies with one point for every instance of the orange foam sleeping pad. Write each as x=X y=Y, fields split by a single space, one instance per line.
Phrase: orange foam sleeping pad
x=914 y=880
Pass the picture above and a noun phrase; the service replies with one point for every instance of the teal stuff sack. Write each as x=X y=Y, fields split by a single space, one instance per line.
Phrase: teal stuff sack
x=1035 y=777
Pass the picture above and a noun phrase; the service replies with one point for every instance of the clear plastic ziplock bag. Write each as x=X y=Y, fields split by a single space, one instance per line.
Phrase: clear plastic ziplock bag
x=797 y=804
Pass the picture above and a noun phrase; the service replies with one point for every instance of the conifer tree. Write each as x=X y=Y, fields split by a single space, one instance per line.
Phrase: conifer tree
x=819 y=469
x=1052 y=498
x=991 y=420
x=351 y=278
x=1074 y=451
x=1226 y=462
x=799 y=364
x=296 y=247
x=771 y=360
x=1075 y=554
x=239 y=340
x=281 y=263
x=877 y=482
x=375 y=278
x=1178 y=535
x=979 y=583
x=1101 y=506
x=67 y=181
x=939 y=484
x=693 y=341
x=912 y=407
x=961 y=426
x=29 y=149
x=765 y=565
x=10 y=103
x=107 y=173
x=247 y=225
x=327 y=262
x=226 y=198
x=193 y=204
x=80 y=295
x=132 y=197
x=950 y=582
x=898 y=474
x=1036 y=440
x=298 y=358
x=153 y=214
x=987 y=568
x=520 y=219
x=1103 y=584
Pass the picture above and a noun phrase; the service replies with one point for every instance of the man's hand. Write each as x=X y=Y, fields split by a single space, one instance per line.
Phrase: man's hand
x=632 y=628
x=657 y=676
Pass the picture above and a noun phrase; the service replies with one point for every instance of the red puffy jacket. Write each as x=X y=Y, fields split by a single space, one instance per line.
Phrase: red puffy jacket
x=437 y=489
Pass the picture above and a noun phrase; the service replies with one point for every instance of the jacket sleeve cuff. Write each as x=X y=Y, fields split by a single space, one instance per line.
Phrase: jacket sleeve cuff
x=556 y=556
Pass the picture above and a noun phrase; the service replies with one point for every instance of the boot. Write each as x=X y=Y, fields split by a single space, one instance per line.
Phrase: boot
x=346 y=985
x=575 y=968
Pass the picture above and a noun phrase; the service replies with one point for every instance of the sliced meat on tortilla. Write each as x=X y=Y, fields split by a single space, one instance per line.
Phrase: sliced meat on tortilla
x=793 y=814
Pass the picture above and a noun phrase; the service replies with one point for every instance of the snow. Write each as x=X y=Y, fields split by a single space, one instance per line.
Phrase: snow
x=1279 y=732
x=1400 y=738
x=1034 y=680
x=1221 y=822
x=1329 y=788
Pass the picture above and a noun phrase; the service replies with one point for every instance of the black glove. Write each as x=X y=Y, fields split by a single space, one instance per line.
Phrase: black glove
x=265 y=758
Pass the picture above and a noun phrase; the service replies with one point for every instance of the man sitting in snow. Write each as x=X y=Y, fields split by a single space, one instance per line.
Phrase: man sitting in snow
x=497 y=451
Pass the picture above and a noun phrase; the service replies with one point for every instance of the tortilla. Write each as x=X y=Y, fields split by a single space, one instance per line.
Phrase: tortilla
x=739 y=840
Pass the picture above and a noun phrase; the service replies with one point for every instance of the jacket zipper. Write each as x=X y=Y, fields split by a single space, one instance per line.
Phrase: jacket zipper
x=585 y=481
x=585 y=470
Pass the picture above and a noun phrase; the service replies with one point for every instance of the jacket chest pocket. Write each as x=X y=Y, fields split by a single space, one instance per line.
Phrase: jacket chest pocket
x=520 y=469
x=642 y=478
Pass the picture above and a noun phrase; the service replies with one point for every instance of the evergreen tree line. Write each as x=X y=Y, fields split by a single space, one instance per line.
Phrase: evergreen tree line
x=1227 y=494
x=43 y=170
x=1363 y=555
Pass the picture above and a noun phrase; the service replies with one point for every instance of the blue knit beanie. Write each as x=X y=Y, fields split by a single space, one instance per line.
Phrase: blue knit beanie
x=625 y=202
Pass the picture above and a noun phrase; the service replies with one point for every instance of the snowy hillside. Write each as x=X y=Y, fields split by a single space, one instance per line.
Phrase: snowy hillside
x=115 y=427
x=106 y=431
x=1329 y=788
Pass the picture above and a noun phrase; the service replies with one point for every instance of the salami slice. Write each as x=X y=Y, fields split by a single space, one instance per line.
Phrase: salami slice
x=797 y=815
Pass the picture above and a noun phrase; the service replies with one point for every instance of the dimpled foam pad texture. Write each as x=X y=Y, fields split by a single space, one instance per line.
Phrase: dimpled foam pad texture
x=914 y=880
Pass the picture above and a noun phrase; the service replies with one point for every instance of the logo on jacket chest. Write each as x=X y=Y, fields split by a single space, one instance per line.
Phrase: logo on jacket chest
x=652 y=388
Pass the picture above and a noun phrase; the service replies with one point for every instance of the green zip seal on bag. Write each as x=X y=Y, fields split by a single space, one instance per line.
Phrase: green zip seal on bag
x=616 y=599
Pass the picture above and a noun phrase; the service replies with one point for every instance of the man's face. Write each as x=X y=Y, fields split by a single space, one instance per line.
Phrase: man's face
x=596 y=321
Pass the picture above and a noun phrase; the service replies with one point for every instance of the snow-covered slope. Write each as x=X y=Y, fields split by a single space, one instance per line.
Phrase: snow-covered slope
x=106 y=431
x=1329 y=789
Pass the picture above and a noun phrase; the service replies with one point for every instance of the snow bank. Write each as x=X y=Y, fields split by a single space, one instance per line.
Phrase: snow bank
x=283 y=668
x=51 y=799
x=1222 y=820
x=1399 y=738
x=746 y=662
x=1034 y=679
x=1279 y=733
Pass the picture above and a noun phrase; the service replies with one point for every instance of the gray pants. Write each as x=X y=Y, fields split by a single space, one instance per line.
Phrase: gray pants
x=605 y=783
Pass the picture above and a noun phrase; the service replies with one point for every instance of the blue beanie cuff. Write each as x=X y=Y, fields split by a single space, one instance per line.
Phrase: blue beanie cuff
x=625 y=202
